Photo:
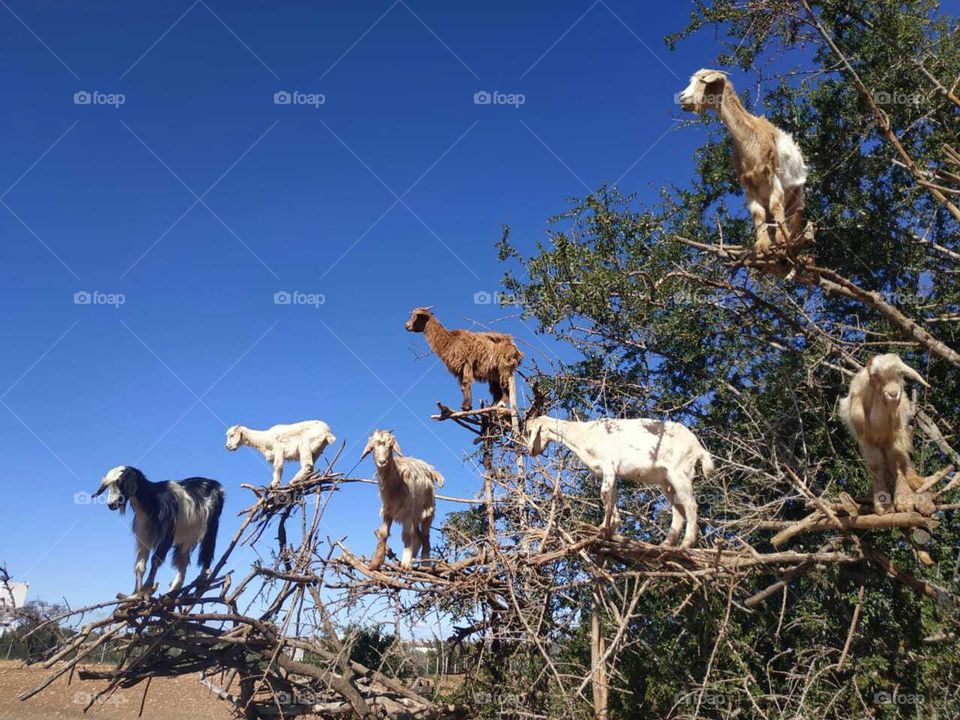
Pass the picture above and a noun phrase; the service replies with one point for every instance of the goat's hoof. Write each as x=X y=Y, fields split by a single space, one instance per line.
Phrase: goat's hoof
x=924 y=504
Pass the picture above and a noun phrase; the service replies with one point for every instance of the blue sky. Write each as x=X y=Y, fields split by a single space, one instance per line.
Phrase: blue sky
x=199 y=198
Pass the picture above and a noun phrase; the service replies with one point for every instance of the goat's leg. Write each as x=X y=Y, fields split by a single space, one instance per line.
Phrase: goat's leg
x=143 y=554
x=608 y=496
x=496 y=390
x=898 y=468
x=277 y=467
x=466 y=387
x=684 y=492
x=759 y=214
x=676 y=523
x=411 y=544
x=877 y=465
x=777 y=211
x=306 y=462
x=159 y=555
x=424 y=532
x=382 y=533
x=181 y=559
x=793 y=208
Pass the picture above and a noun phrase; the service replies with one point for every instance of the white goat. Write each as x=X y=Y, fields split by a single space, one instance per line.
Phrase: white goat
x=648 y=452
x=877 y=412
x=406 y=495
x=303 y=441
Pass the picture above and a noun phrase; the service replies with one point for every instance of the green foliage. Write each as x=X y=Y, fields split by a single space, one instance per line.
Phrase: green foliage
x=753 y=363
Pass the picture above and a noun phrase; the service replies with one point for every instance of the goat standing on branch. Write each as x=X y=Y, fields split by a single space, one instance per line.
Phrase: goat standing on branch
x=877 y=412
x=647 y=452
x=470 y=356
x=406 y=495
x=767 y=160
x=166 y=514
x=303 y=441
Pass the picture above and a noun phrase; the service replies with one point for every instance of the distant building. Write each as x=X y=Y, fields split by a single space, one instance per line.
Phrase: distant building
x=12 y=596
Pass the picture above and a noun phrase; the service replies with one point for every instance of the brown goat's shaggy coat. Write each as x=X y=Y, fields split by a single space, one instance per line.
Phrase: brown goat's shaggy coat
x=485 y=356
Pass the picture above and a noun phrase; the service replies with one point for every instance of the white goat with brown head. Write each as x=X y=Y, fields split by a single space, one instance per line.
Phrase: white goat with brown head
x=767 y=160
x=406 y=495
x=877 y=412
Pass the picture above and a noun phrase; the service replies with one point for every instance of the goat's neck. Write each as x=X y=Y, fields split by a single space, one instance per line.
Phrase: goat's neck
x=259 y=439
x=437 y=335
x=569 y=434
x=389 y=474
x=738 y=121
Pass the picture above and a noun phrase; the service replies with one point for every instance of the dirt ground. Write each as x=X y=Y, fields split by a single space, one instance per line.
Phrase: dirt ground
x=180 y=698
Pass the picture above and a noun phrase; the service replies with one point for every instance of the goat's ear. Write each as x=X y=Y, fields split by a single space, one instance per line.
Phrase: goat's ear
x=99 y=490
x=711 y=76
x=368 y=449
x=913 y=374
x=869 y=367
x=396 y=447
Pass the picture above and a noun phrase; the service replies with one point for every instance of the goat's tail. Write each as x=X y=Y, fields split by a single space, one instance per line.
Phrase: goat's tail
x=707 y=466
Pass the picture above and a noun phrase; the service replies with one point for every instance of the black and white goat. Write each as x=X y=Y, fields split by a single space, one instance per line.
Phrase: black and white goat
x=166 y=514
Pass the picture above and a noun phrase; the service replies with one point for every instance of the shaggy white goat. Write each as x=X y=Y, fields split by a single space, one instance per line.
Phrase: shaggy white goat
x=406 y=495
x=648 y=452
x=303 y=441
x=877 y=412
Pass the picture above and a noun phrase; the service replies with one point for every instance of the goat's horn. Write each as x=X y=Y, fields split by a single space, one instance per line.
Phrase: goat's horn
x=913 y=374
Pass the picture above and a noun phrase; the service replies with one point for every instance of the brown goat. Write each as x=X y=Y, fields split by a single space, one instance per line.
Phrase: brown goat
x=470 y=356
x=768 y=163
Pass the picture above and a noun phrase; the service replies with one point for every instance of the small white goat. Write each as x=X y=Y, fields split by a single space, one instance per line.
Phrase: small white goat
x=648 y=452
x=303 y=441
x=406 y=495
x=877 y=412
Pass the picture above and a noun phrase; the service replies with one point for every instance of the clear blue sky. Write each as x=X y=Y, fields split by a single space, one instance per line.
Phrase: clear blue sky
x=199 y=198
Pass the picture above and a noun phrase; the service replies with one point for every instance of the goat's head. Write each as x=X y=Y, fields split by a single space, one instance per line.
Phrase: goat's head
x=382 y=444
x=538 y=436
x=887 y=373
x=119 y=484
x=234 y=437
x=419 y=319
x=704 y=91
